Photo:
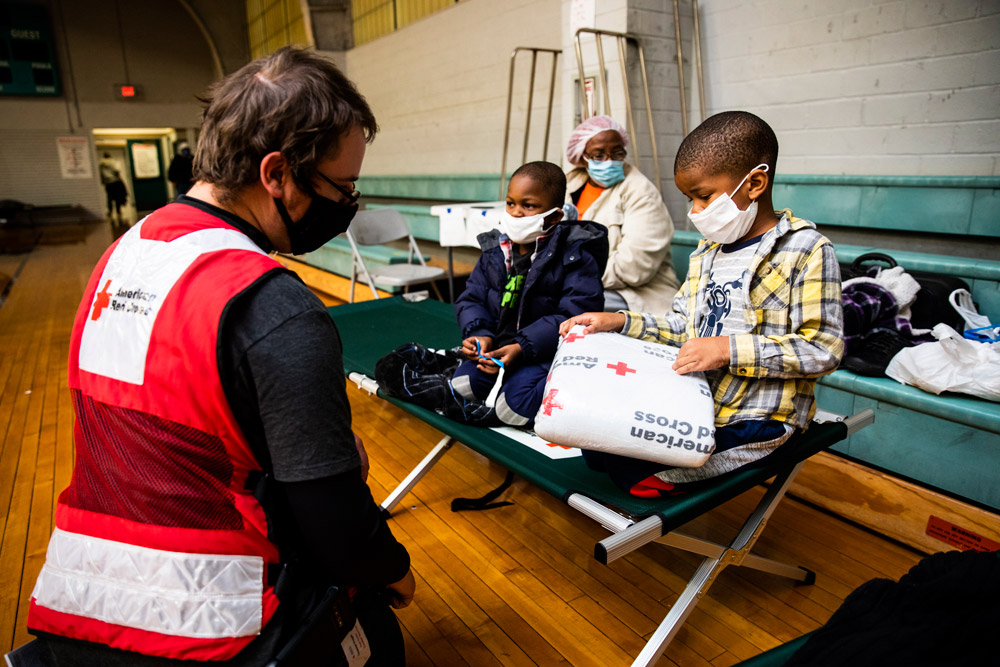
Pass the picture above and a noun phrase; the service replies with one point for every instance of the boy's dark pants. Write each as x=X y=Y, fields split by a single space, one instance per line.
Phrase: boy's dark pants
x=521 y=395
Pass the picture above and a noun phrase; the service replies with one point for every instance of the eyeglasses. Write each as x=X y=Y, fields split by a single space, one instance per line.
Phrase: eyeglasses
x=618 y=154
x=352 y=195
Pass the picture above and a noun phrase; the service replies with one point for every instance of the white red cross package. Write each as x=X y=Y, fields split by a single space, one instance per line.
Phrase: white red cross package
x=619 y=395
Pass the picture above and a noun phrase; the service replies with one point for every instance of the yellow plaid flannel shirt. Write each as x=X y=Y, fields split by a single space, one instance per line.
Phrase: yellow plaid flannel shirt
x=794 y=325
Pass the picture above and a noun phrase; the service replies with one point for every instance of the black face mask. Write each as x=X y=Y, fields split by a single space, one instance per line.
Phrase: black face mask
x=323 y=220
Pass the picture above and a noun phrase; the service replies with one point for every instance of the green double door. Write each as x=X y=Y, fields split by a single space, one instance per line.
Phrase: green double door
x=149 y=174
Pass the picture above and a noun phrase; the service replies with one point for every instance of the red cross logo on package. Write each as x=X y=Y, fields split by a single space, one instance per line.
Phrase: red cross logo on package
x=102 y=301
x=550 y=403
x=572 y=337
x=621 y=368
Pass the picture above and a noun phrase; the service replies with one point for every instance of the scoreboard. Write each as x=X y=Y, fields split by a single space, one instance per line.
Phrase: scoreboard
x=27 y=56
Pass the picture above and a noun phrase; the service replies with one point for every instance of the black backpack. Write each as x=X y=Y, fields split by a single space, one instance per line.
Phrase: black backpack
x=931 y=306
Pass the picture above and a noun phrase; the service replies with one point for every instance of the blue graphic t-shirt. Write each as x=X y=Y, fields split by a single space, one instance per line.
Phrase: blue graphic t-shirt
x=722 y=312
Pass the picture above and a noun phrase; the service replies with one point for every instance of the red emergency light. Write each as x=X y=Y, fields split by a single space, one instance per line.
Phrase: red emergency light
x=128 y=91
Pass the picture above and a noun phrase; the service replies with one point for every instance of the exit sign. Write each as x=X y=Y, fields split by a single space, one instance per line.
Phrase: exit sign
x=128 y=91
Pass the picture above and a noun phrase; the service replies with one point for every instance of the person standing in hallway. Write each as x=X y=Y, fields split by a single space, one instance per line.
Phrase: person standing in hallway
x=181 y=170
x=114 y=188
x=219 y=489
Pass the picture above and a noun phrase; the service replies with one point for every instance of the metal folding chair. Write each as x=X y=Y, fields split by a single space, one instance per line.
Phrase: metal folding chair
x=385 y=225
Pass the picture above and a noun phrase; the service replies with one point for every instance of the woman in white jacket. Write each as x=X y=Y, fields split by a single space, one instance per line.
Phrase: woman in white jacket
x=639 y=275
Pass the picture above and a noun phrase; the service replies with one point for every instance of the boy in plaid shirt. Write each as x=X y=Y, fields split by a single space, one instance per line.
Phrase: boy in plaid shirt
x=760 y=311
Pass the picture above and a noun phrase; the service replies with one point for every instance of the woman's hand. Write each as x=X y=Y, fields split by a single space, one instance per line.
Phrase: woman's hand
x=469 y=347
x=508 y=354
x=702 y=354
x=401 y=592
x=594 y=323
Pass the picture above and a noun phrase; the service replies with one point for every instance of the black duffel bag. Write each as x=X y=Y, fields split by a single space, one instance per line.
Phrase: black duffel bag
x=931 y=306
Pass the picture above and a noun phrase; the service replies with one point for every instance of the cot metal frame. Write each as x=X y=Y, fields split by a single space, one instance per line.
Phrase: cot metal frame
x=534 y=50
x=621 y=41
x=629 y=534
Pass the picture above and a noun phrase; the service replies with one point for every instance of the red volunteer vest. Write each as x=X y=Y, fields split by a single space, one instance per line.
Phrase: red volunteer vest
x=159 y=547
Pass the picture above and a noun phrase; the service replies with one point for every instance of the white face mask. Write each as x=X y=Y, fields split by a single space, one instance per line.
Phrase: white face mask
x=526 y=229
x=722 y=221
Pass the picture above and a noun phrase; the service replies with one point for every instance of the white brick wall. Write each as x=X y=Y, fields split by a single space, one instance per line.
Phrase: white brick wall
x=439 y=88
x=863 y=86
x=909 y=87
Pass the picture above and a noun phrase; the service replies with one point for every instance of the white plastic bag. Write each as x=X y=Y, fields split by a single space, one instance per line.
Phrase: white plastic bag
x=619 y=395
x=950 y=364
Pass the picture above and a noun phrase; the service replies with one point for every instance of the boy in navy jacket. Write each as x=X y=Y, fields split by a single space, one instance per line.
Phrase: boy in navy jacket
x=535 y=272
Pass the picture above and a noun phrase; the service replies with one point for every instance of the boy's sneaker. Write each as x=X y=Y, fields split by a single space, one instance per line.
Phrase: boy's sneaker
x=875 y=352
x=413 y=373
x=472 y=412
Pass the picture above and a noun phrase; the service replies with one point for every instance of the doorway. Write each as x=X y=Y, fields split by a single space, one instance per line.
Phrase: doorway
x=143 y=155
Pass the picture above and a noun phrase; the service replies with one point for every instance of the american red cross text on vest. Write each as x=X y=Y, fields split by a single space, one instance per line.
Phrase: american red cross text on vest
x=621 y=368
x=102 y=301
x=550 y=403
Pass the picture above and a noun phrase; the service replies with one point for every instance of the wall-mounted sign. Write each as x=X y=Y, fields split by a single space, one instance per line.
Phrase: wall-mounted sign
x=145 y=161
x=74 y=157
x=27 y=55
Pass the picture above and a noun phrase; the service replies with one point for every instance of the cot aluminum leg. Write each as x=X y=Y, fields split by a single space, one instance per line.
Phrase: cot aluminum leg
x=417 y=473
x=710 y=549
x=673 y=621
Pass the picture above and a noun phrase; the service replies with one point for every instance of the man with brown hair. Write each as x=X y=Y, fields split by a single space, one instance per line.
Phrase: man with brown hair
x=219 y=490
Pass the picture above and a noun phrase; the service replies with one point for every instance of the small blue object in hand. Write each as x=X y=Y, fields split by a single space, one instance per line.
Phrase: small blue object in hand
x=479 y=353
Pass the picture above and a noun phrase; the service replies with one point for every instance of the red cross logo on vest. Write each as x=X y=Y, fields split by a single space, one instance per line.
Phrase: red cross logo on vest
x=572 y=337
x=102 y=301
x=621 y=368
x=550 y=403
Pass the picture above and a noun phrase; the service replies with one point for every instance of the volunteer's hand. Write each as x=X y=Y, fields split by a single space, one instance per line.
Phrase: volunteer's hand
x=702 y=354
x=594 y=323
x=469 y=346
x=364 y=457
x=508 y=354
x=401 y=592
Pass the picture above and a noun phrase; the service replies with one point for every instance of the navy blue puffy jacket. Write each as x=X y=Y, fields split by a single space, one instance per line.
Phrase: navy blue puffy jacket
x=563 y=281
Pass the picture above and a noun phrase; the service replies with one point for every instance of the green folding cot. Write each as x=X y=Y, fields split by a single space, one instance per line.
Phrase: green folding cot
x=371 y=329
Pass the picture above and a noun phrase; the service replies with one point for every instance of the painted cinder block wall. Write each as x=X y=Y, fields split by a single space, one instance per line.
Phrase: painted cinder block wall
x=906 y=87
x=903 y=87
x=439 y=87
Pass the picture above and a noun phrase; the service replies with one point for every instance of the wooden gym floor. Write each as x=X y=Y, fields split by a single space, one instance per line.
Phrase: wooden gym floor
x=515 y=585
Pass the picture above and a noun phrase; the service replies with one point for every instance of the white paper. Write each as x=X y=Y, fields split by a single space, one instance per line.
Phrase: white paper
x=74 y=157
x=532 y=440
x=145 y=161
x=356 y=648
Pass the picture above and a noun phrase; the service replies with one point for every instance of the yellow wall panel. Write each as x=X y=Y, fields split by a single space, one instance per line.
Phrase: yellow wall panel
x=297 y=33
x=374 y=18
x=293 y=11
x=274 y=18
x=408 y=11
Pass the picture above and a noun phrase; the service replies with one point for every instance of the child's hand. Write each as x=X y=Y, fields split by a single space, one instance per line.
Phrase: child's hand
x=507 y=354
x=702 y=354
x=469 y=347
x=594 y=323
